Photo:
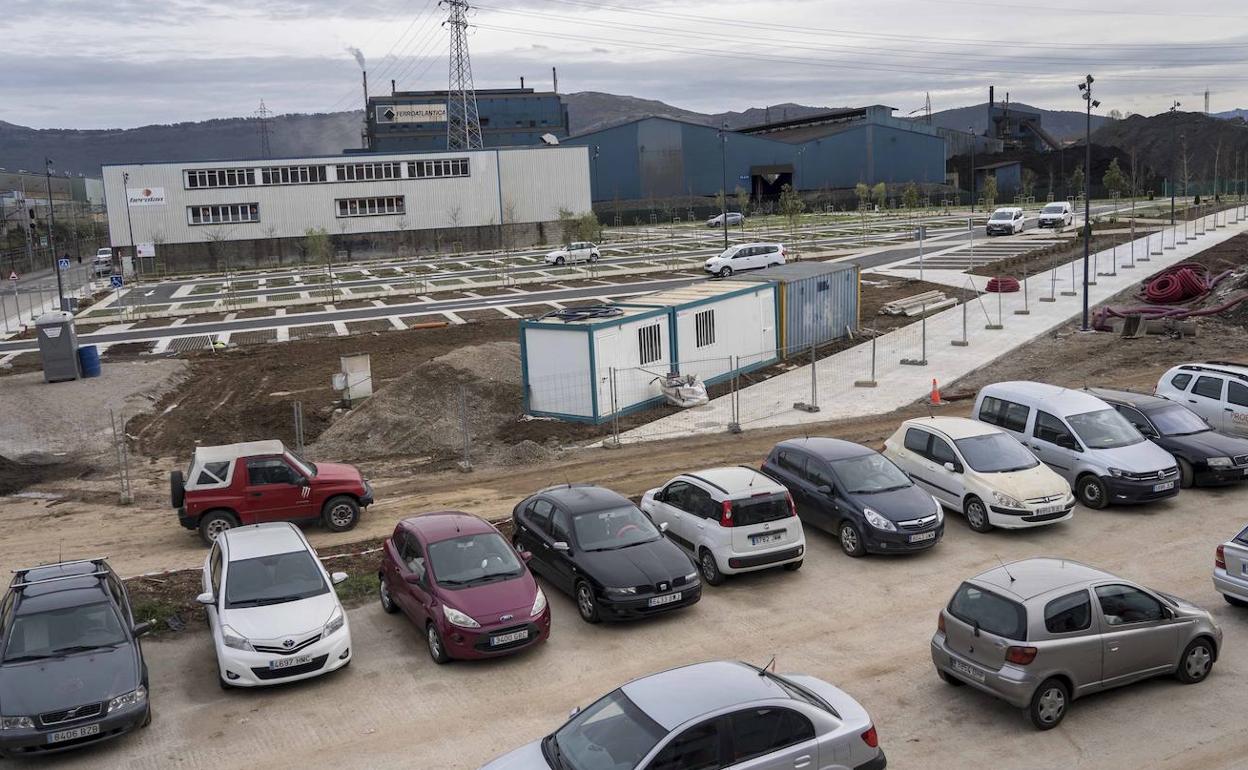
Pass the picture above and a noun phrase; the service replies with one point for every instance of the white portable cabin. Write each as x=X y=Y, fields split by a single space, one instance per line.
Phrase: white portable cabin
x=710 y=329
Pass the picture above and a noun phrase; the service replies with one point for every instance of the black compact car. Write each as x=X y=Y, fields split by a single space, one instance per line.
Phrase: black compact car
x=597 y=546
x=1206 y=458
x=71 y=666
x=857 y=494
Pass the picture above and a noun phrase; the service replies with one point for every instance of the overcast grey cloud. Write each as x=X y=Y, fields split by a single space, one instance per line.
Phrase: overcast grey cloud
x=122 y=63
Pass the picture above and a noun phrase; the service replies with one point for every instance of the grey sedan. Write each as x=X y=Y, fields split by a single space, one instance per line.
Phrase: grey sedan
x=1039 y=633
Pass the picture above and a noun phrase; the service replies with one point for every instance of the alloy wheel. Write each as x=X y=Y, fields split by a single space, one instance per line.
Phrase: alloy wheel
x=215 y=528
x=387 y=603
x=1197 y=662
x=849 y=539
x=585 y=601
x=435 y=644
x=1051 y=705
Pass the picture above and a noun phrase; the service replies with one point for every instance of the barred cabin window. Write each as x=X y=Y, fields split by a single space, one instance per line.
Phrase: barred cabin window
x=704 y=327
x=371 y=207
x=437 y=169
x=649 y=344
x=225 y=213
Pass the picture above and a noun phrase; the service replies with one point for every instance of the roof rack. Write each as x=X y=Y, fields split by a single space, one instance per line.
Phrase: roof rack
x=1211 y=366
x=1227 y=363
x=708 y=482
x=25 y=583
x=96 y=560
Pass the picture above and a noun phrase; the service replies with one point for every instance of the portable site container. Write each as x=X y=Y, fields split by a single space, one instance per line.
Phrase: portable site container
x=818 y=302
x=711 y=329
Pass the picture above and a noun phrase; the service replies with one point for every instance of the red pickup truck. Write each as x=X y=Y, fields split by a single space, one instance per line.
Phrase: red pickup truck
x=250 y=483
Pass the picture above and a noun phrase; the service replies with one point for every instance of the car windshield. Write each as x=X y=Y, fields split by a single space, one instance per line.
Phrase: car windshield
x=613 y=733
x=1104 y=429
x=613 y=528
x=995 y=453
x=63 y=631
x=869 y=474
x=472 y=560
x=1054 y=208
x=1176 y=420
x=273 y=579
x=1242 y=537
x=309 y=469
x=989 y=612
x=998 y=216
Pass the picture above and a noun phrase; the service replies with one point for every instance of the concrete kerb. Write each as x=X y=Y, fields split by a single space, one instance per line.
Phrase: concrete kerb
x=769 y=403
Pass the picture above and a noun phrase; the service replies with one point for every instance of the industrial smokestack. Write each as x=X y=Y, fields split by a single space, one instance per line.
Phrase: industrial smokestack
x=990 y=97
x=554 y=76
x=392 y=86
x=522 y=81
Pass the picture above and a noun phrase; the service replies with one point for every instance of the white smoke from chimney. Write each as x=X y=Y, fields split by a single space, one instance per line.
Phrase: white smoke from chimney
x=358 y=54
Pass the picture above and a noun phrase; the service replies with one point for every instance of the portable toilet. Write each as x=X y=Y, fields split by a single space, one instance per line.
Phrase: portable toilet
x=58 y=346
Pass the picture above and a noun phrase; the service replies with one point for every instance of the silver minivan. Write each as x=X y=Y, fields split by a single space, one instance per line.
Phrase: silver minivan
x=1039 y=633
x=1105 y=459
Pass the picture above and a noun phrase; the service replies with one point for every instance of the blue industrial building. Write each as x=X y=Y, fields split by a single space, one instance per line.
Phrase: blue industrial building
x=659 y=157
x=415 y=121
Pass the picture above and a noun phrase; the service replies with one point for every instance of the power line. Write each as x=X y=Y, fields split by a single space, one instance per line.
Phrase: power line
x=463 y=124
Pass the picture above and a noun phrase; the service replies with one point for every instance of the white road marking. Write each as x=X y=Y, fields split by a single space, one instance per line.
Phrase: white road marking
x=340 y=329
x=397 y=322
x=283 y=333
x=452 y=317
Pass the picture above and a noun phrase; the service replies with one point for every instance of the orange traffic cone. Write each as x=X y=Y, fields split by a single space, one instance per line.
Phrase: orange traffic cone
x=935 y=397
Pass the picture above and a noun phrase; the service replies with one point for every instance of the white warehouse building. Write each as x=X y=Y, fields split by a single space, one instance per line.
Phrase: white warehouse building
x=258 y=212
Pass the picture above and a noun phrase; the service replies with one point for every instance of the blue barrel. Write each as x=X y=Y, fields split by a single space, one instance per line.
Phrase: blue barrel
x=89 y=359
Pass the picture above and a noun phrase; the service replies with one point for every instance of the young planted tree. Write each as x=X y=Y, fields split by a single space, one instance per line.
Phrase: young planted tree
x=791 y=206
x=910 y=196
x=863 y=193
x=1028 y=183
x=879 y=194
x=743 y=201
x=989 y=191
x=1114 y=180
x=1077 y=180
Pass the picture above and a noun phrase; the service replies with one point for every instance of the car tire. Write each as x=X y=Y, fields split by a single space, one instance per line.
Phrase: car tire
x=976 y=514
x=851 y=540
x=177 y=488
x=586 y=604
x=1049 y=704
x=147 y=718
x=708 y=567
x=593 y=258
x=383 y=595
x=1187 y=476
x=340 y=513
x=559 y=260
x=226 y=686
x=724 y=272
x=1231 y=600
x=794 y=566
x=213 y=523
x=433 y=640
x=1092 y=492
x=1196 y=662
x=949 y=679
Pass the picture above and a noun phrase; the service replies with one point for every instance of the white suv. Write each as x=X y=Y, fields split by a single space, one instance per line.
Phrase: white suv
x=272 y=609
x=731 y=519
x=980 y=471
x=746 y=256
x=1215 y=390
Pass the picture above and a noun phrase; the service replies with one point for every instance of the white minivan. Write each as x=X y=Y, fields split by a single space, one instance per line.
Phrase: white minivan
x=1084 y=439
x=746 y=256
x=1006 y=221
x=1216 y=390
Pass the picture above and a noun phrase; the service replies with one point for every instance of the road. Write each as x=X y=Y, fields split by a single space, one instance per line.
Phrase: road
x=863 y=624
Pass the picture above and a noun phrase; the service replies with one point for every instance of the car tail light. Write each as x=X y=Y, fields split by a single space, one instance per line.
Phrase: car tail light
x=725 y=518
x=871 y=738
x=792 y=505
x=940 y=621
x=1021 y=656
x=1219 y=559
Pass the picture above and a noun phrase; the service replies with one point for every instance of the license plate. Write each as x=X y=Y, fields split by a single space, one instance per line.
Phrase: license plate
x=514 y=636
x=1246 y=471
x=963 y=668
x=1049 y=509
x=296 y=660
x=922 y=536
x=657 y=601
x=1163 y=486
x=73 y=733
x=771 y=537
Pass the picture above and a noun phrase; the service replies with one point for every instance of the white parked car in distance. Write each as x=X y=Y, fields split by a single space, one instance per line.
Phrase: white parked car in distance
x=980 y=471
x=745 y=256
x=730 y=520
x=580 y=251
x=734 y=218
x=1215 y=390
x=1057 y=215
x=1006 y=221
x=272 y=609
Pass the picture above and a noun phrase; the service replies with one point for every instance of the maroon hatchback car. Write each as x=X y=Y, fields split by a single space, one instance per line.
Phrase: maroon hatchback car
x=455 y=576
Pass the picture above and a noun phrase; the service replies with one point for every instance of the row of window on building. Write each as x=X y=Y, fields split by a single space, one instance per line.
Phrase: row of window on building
x=231 y=213
x=194 y=179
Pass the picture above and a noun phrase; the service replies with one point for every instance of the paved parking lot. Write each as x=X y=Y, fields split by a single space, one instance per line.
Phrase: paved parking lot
x=861 y=624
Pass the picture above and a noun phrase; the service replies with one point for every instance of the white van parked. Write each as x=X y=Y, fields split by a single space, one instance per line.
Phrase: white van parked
x=1216 y=390
x=746 y=256
x=1006 y=221
x=1084 y=439
x=1057 y=215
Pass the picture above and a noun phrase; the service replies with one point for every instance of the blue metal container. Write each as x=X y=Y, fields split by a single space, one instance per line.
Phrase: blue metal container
x=818 y=302
x=89 y=358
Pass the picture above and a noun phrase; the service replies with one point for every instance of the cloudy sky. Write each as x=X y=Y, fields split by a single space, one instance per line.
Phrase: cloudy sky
x=123 y=63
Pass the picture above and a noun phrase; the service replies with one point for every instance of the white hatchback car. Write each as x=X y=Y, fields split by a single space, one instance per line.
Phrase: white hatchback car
x=981 y=471
x=580 y=251
x=1215 y=390
x=730 y=519
x=272 y=609
x=746 y=256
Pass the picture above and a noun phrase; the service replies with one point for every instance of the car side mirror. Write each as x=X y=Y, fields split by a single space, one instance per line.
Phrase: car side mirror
x=526 y=556
x=414 y=578
x=575 y=710
x=561 y=546
x=338 y=577
x=141 y=629
x=663 y=526
x=206 y=599
x=824 y=489
x=302 y=481
x=953 y=467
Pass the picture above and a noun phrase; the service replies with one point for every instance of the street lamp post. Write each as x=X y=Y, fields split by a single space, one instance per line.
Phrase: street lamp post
x=972 y=132
x=1086 y=88
x=1173 y=122
x=60 y=292
x=134 y=256
x=595 y=180
x=723 y=170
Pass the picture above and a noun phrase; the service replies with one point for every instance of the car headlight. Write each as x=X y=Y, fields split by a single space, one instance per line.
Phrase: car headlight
x=621 y=591
x=1006 y=500
x=940 y=510
x=878 y=521
x=16 y=723
x=539 y=604
x=1219 y=462
x=336 y=622
x=129 y=699
x=234 y=640
x=1118 y=473
x=457 y=618
x=692 y=577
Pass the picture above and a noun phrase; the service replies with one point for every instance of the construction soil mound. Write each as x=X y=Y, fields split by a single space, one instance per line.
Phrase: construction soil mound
x=420 y=414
